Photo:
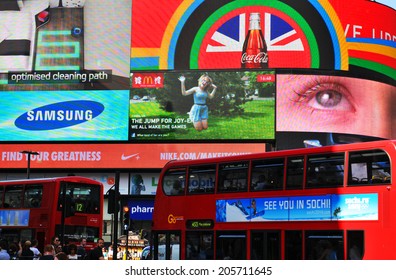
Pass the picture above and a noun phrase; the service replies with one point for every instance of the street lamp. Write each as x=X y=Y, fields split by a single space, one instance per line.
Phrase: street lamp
x=29 y=153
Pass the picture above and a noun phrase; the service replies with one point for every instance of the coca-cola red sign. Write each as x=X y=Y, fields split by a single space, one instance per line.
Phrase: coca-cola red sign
x=255 y=59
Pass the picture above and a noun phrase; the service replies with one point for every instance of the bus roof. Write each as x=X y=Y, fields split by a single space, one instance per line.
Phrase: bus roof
x=52 y=179
x=292 y=152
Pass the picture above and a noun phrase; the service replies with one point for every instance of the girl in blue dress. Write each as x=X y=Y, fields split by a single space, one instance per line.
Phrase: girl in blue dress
x=199 y=111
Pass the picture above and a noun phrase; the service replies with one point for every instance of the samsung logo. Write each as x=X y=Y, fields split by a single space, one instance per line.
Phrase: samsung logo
x=59 y=115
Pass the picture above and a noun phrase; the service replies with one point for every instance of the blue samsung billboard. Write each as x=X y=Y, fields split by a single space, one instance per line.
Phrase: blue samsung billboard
x=92 y=115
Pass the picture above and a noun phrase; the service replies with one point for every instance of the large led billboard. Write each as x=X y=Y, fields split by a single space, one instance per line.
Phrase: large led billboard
x=202 y=106
x=64 y=115
x=335 y=104
x=113 y=155
x=299 y=208
x=53 y=35
x=332 y=35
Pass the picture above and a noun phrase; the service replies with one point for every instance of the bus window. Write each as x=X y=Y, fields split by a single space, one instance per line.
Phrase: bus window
x=167 y=246
x=231 y=245
x=233 y=177
x=355 y=244
x=33 y=196
x=83 y=197
x=295 y=173
x=74 y=233
x=369 y=167
x=13 y=197
x=199 y=245
x=174 y=181
x=293 y=245
x=265 y=245
x=325 y=170
x=324 y=245
x=267 y=174
x=202 y=179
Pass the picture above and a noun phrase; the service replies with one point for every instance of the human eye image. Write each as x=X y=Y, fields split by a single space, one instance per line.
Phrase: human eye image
x=308 y=103
x=325 y=95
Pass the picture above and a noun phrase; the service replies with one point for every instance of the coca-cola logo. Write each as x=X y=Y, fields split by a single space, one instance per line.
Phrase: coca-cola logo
x=261 y=57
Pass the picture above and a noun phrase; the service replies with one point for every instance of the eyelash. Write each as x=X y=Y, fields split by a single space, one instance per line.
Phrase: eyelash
x=325 y=96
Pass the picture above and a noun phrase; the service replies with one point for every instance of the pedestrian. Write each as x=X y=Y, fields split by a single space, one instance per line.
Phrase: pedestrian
x=26 y=253
x=3 y=250
x=49 y=253
x=72 y=252
x=35 y=250
x=81 y=251
x=97 y=252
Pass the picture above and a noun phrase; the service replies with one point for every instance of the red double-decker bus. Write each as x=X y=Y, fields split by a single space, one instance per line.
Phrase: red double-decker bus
x=334 y=202
x=69 y=207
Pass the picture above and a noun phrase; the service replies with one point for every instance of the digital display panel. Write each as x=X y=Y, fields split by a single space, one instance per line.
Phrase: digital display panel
x=113 y=155
x=332 y=207
x=141 y=210
x=202 y=106
x=69 y=36
x=11 y=218
x=335 y=104
x=331 y=35
x=64 y=115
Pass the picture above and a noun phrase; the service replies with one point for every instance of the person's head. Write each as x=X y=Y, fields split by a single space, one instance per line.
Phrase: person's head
x=83 y=242
x=101 y=242
x=137 y=179
x=58 y=249
x=72 y=249
x=205 y=81
x=55 y=240
x=3 y=244
x=13 y=247
x=27 y=244
x=49 y=249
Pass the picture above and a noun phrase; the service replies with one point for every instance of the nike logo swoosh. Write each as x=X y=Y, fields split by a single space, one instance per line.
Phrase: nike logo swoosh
x=124 y=157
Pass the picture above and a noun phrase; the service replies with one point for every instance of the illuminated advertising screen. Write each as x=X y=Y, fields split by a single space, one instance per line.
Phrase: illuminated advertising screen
x=66 y=37
x=11 y=218
x=113 y=155
x=141 y=210
x=202 y=106
x=335 y=104
x=331 y=35
x=331 y=207
x=64 y=115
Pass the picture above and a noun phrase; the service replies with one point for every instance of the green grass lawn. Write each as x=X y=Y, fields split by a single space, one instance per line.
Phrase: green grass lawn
x=256 y=123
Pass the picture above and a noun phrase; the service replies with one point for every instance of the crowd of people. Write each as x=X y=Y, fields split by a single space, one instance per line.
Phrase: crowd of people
x=27 y=250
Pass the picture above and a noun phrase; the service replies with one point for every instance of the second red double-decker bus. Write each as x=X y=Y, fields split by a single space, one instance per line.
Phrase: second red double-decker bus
x=334 y=202
x=33 y=209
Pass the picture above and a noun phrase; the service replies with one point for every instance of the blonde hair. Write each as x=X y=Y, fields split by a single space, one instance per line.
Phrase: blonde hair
x=205 y=76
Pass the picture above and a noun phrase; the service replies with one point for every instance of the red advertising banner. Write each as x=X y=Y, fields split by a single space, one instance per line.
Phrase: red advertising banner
x=148 y=80
x=266 y=78
x=115 y=155
x=370 y=33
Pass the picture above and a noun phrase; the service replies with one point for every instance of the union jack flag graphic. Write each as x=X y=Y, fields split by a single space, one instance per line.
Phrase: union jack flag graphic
x=278 y=34
x=280 y=37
